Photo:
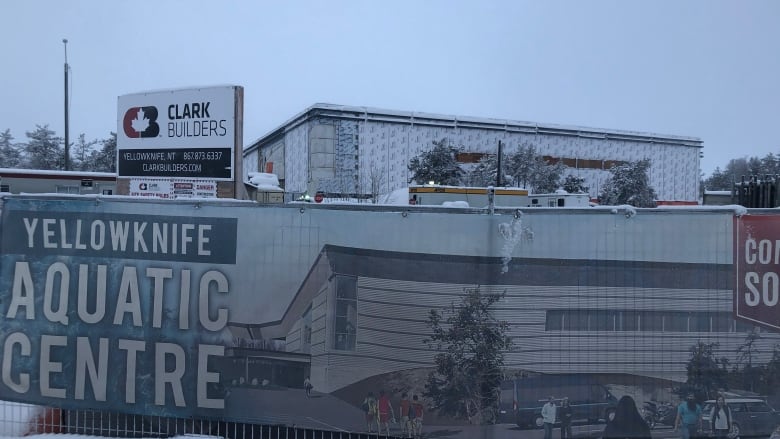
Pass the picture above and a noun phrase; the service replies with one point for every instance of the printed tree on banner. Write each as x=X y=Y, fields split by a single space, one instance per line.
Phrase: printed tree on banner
x=469 y=365
x=771 y=373
x=707 y=374
x=746 y=353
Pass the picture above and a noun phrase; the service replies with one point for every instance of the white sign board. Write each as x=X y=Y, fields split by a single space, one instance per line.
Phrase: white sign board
x=187 y=133
x=194 y=189
x=150 y=188
x=173 y=188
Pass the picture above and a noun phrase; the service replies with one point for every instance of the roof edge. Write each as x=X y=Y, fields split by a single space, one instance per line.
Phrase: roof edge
x=473 y=122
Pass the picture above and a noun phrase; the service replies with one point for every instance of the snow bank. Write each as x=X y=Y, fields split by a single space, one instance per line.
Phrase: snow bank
x=396 y=197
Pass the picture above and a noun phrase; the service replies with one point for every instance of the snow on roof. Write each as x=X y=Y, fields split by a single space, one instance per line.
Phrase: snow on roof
x=411 y=117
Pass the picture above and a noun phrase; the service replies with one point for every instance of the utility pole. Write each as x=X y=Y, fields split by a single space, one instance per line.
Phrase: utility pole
x=67 y=140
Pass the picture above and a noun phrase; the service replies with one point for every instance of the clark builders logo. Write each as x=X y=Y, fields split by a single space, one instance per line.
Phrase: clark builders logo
x=141 y=122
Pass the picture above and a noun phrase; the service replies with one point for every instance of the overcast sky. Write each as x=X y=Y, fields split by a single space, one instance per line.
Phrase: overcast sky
x=707 y=69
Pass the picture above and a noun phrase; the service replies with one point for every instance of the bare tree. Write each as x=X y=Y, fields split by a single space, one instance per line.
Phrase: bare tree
x=373 y=182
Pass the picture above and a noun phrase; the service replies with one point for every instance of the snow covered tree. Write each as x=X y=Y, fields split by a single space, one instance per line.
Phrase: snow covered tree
x=82 y=152
x=10 y=156
x=437 y=165
x=548 y=177
x=104 y=159
x=523 y=164
x=45 y=151
x=719 y=181
x=531 y=171
x=484 y=173
x=469 y=365
x=769 y=165
x=574 y=185
x=723 y=179
x=746 y=167
x=629 y=184
x=738 y=168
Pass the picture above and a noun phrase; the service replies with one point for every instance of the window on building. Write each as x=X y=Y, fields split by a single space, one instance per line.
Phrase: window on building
x=345 y=322
x=722 y=322
x=602 y=321
x=652 y=321
x=576 y=320
x=646 y=321
x=676 y=321
x=744 y=327
x=699 y=322
x=61 y=189
x=554 y=321
x=5 y=188
x=628 y=321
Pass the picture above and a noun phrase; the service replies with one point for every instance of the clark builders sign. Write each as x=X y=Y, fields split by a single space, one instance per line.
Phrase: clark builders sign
x=184 y=133
x=757 y=265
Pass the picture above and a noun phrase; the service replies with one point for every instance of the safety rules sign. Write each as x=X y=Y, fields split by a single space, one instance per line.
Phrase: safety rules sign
x=173 y=188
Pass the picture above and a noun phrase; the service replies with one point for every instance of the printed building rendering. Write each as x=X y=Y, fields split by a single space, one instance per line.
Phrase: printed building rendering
x=223 y=310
